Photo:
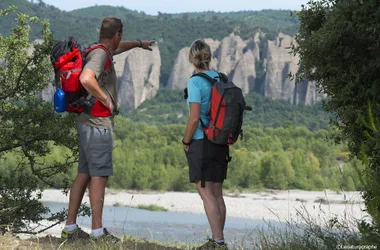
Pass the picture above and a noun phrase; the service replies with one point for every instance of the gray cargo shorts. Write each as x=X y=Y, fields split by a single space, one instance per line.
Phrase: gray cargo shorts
x=95 y=150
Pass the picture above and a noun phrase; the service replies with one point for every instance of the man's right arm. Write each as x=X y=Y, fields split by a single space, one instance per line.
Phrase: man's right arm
x=89 y=82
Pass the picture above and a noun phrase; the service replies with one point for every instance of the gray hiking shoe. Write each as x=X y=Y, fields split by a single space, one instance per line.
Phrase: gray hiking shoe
x=211 y=244
x=105 y=236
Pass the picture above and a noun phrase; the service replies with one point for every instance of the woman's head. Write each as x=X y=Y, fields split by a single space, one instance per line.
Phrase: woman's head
x=200 y=54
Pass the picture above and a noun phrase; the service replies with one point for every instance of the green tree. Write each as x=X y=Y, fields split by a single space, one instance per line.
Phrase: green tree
x=29 y=125
x=179 y=180
x=299 y=164
x=141 y=177
x=159 y=178
x=338 y=44
x=244 y=170
x=277 y=171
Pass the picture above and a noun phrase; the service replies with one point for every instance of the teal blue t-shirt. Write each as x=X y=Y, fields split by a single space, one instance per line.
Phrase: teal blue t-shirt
x=199 y=90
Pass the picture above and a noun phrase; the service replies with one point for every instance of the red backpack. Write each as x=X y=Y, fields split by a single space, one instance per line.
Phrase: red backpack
x=226 y=111
x=68 y=62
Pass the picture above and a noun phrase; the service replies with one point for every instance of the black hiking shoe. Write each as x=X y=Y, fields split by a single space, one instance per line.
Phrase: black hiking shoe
x=105 y=236
x=212 y=244
x=76 y=234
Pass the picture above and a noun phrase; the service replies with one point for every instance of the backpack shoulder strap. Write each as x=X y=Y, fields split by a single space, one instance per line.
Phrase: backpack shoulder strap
x=222 y=77
x=99 y=46
x=106 y=67
x=207 y=77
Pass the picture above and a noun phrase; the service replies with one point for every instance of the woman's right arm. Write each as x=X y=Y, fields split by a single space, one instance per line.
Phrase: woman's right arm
x=193 y=121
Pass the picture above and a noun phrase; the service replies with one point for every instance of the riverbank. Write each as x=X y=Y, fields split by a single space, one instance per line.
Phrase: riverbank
x=264 y=205
x=267 y=206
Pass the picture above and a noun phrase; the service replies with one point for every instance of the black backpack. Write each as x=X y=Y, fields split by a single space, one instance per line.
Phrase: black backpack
x=226 y=111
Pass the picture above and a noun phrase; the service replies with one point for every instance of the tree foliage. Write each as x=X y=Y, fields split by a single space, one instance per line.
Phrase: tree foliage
x=339 y=44
x=169 y=107
x=29 y=127
x=148 y=157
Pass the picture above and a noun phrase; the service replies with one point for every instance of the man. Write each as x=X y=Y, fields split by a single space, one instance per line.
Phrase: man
x=95 y=132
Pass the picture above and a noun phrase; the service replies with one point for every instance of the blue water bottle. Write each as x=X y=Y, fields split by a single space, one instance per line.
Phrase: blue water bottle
x=59 y=101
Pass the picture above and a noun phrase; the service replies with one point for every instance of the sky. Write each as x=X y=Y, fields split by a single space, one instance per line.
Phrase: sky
x=152 y=7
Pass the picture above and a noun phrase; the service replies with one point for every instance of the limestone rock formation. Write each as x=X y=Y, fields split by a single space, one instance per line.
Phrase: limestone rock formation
x=238 y=59
x=307 y=92
x=214 y=45
x=182 y=70
x=138 y=73
x=230 y=55
x=47 y=93
x=245 y=74
x=279 y=64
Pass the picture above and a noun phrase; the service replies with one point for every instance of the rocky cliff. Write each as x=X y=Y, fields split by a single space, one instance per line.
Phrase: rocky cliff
x=47 y=93
x=182 y=70
x=138 y=73
x=241 y=59
x=279 y=63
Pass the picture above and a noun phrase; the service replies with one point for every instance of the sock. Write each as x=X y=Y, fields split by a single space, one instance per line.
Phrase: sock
x=97 y=232
x=219 y=240
x=71 y=227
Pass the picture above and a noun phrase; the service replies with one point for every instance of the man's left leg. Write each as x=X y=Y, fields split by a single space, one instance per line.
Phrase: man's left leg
x=100 y=168
x=97 y=190
x=71 y=229
x=76 y=195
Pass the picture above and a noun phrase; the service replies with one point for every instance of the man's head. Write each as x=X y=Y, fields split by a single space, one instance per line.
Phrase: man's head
x=111 y=30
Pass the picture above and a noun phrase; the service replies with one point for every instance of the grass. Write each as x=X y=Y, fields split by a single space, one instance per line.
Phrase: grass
x=307 y=234
x=118 y=204
x=152 y=207
x=52 y=243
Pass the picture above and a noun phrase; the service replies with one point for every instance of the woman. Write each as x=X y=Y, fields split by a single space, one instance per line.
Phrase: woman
x=206 y=160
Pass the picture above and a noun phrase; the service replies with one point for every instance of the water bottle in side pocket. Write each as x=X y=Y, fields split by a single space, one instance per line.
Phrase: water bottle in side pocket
x=59 y=101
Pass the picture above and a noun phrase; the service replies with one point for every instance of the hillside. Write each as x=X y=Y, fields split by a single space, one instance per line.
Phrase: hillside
x=171 y=31
x=169 y=107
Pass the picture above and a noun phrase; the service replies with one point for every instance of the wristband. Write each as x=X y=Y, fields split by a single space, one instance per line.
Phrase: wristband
x=140 y=43
x=185 y=143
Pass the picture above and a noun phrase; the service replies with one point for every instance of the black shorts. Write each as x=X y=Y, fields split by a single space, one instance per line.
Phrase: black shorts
x=211 y=157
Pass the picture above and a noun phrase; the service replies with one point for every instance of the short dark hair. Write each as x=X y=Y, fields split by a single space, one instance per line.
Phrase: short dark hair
x=110 y=26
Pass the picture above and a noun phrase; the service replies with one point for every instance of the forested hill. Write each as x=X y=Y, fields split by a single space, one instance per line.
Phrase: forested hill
x=169 y=107
x=171 y=31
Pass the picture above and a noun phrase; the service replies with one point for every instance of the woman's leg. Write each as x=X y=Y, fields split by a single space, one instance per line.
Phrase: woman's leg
x=212 y=209
x=218 y=194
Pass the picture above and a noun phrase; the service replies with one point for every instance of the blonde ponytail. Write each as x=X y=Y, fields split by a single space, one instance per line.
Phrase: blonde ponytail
x=200 y=54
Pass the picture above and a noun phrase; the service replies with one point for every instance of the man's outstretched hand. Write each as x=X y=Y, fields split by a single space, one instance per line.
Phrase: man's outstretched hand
x=147 y=44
